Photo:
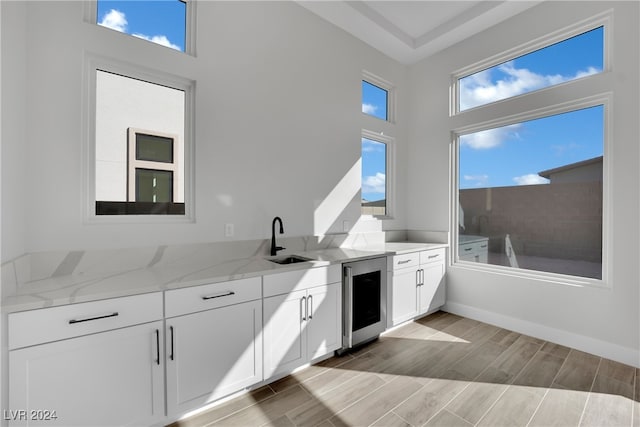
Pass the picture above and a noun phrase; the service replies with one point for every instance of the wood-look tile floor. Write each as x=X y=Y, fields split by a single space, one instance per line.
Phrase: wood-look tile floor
x=444 y=370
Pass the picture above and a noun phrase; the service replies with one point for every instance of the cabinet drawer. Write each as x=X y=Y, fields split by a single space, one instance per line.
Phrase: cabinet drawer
x=434 y=255
x=405 y=260
x=282 y=283
x=473 y=248
x=52 y=324
x=205 y=297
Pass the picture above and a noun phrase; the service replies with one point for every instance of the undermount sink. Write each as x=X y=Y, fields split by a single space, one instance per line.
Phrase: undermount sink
x=290 y=259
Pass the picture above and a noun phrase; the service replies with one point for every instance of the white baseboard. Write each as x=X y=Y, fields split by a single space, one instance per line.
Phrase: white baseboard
x=626 y=355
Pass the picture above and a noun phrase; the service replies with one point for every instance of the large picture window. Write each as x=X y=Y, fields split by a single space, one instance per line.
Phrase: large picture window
x=531 y=194
x=530 y=182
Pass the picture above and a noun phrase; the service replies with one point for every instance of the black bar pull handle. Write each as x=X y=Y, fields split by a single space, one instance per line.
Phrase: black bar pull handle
x=223 y=294
x=171 y=332
x=158 y=346
x=89 y=319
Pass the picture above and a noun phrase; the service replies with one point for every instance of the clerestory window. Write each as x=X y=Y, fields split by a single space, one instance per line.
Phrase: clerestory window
x=164 y=22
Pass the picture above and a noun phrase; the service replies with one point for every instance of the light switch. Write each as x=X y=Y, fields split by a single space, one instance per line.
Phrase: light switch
x=228 y=230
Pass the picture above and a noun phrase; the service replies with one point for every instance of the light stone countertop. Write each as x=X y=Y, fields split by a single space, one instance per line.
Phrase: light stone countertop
x=81 y=277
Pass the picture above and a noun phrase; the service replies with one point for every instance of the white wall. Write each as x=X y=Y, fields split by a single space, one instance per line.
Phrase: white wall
x=278 y=123
x=13 y=128
x=604 y=321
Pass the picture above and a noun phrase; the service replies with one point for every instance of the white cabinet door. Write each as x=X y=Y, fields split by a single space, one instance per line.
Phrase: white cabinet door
x=324 y=318
x=213 y=353
x=404 y=304
x=285 y=343
x=108 y=378
x=432 y=293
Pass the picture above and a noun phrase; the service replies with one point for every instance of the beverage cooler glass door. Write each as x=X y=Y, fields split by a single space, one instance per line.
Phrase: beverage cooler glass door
x=365 y=290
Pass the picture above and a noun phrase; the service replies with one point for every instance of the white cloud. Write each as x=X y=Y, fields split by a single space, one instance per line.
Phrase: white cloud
x=477 y=180
x=478 y=89
x=530 y=179
x=115 y=20
x=161 y=40
x=369 y=109
x=374 y=183
x=489 y=138
x=369 y=146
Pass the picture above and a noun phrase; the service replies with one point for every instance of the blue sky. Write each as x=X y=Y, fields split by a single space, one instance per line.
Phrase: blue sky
x=373 y=170
x=162 y=22
x=374 y=102
x=513 y=155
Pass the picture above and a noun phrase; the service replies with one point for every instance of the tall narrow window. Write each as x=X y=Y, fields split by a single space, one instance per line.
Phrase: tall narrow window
x=374 y=177
x=531 y=194
x=570 y=59
x=159 y=21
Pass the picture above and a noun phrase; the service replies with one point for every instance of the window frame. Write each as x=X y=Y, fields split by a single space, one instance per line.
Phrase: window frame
x=391 y=95
x=94 y=63
x=606 y=101
x=390 y=144
x=575 y=94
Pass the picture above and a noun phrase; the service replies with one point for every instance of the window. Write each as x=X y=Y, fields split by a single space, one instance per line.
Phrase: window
x=159 y=21
x=377 y=97
x=140 y=156
x=377 y=153
x=530 y=188
x=374 y=100
x=570 y=59
x=531 y=194
x=153 y=170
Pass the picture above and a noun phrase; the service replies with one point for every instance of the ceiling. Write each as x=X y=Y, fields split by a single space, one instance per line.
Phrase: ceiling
x=409 y=31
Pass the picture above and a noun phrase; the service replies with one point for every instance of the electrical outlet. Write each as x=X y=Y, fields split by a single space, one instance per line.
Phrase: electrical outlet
x=346 y=225
x=228 y=230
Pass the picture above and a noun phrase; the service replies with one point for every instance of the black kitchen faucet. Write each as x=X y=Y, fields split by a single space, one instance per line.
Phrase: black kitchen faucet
x=274 y=248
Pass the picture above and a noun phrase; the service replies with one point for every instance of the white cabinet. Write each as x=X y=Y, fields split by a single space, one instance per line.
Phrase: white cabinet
x=96 y=375
x=473 y=248
x=302 y=317
x=417 y=285
x=404 y=287
x=214 y=342
x=432 y=291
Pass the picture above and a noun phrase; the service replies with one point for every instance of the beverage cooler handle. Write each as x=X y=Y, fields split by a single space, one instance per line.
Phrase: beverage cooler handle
x=348 y=300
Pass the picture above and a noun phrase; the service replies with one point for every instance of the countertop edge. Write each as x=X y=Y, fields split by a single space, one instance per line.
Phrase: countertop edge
x=255 y=267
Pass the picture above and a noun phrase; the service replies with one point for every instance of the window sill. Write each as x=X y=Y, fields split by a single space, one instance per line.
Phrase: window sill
x=540 y=276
